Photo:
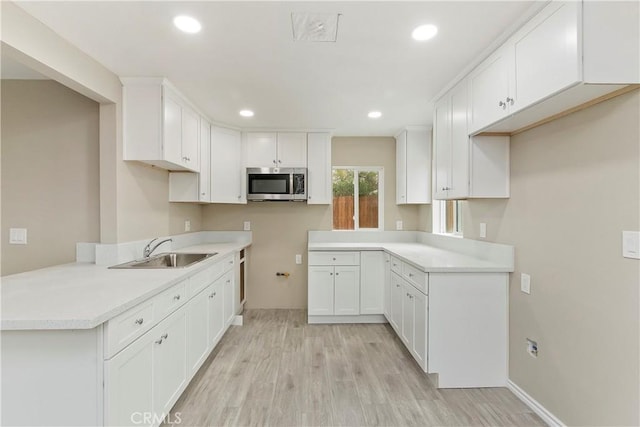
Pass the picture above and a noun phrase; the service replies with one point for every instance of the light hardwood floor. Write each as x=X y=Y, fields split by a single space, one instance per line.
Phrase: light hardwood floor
x=277 y=370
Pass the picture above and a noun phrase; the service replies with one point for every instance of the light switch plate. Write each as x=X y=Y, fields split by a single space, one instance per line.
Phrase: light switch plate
x=187 y=225
x=247 y=226
x=483 y=229
x=631 y=244
x=18 y=236
x=399 y=225
x=298 y=259
x=525 y=283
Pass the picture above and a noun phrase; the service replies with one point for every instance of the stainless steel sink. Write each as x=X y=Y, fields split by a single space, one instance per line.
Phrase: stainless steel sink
x=166 y=260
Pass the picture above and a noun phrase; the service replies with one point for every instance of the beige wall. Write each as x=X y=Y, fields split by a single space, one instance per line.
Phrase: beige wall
x=575 y=185
x=50 y=173
x=280 y=229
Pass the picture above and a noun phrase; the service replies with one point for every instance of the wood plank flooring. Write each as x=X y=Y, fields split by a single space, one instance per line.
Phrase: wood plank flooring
x=277 y=370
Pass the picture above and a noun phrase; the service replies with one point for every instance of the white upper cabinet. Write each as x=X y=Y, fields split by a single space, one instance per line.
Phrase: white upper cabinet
x=319 y=190
x=490 y=86
x=194 y=187
x=568 y=54
x=227 y=173
x=160 y=126
x=413 y=166
x=281 y=149
x=466 y=167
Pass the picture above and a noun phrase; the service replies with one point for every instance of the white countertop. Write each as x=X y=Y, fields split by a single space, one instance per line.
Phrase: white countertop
x=83 y=295
x=424 y=257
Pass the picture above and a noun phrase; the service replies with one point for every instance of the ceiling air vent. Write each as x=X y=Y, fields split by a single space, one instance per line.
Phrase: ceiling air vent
x=315 y=27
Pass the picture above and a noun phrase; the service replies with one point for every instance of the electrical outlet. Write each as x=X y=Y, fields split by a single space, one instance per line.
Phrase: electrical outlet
x=399 y=225
x=247 y=226
x=18 y=236
x=298 y=259
x=483 y=229
x=187 y=225
x=532 y=348
x=631 y=244
x=525 y=283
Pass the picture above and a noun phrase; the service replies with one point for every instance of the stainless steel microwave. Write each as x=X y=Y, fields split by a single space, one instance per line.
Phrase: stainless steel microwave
x=277 y=184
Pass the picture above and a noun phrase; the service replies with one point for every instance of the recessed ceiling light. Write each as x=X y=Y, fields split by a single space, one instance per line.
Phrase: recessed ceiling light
x=375 y=114
x=424 y=32
x=187 y=24
x=246 y=113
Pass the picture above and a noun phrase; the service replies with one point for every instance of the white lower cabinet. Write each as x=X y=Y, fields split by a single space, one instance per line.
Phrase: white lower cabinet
x=346 y=290
x=320 y=290
x=372 y=275
x=386 y=300
x=197 y=334
x=144 y=379
x=129 y=379
x=169 y=362
x=395 y=308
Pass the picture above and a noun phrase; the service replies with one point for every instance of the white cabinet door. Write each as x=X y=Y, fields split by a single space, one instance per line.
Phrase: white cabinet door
x=215 y=293
x=459 y=172
x=372 y=277
x=261 y=150
x=229 y=297
x=396 y=302
x=172 y=129
x=401 y=168
x=190 y=139
x=169 y=361
x=320 y=289
x=547 y=54
x=129 y=383
x=419 y=345
x=442 y=147
x=226 y=166
x=489 y=86
x=204 y=177
x=347 y=290
x=319 y=190
x=292 y=150
x=387 y=286
x=407 y=315
x=197 y=331
x=418 y=166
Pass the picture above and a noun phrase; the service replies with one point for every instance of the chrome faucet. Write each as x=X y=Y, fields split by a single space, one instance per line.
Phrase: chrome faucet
x=148 y=250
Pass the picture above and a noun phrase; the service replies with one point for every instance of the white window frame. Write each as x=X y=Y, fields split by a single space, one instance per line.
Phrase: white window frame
x=356 y=207
x=439 y=219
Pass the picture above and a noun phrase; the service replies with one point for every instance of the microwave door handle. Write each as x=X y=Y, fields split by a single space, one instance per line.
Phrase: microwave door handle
x=291 y=187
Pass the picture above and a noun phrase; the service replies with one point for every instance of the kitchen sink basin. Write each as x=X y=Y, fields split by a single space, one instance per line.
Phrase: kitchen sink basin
x=166 y=260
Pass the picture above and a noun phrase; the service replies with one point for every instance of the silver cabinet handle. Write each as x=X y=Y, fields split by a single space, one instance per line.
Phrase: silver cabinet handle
x=337 y=274
x=502 y=104
x=279 y=161
x=510 y=100
x=274 y=162
x=334 y=259
x=139 y=321
x=202 y=194
x=177 y=297
x=397 y=286
x=229 y=281
x=212 y=295
x=162 y=338
x=330 y=274
x=410 y=274
x=159 y=341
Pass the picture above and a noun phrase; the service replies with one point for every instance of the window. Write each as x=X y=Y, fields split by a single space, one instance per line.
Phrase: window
x=364 y=212
x=447 y=217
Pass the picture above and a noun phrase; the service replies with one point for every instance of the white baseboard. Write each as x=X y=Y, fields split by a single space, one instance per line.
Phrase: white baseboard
x=535 y=406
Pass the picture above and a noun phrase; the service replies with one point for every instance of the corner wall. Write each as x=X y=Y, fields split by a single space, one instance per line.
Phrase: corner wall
x=50 y=173
x=575 y=186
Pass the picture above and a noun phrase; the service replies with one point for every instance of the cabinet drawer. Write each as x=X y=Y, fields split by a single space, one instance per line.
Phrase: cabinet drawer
x=334 y=258
x=126 y=327
x=417 y=278
x=228 y=263
x=396 y=265
x=204 y=278
x=170 y=300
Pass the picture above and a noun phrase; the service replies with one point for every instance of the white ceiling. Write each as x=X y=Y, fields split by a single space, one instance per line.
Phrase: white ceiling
x=245 y=56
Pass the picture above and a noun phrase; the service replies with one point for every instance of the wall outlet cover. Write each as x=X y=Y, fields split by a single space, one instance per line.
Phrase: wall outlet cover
x=631 y=244
x=298 y=259
x=187 y=225
x=483 y=229
x=525 y=283
x=18 y=236
x=247 y=226
x=399 y=225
